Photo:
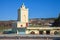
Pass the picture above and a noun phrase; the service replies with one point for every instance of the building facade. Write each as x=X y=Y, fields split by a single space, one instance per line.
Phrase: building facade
x=22 y=16
x=23 y=28
x=43 y=30
x=22 y=25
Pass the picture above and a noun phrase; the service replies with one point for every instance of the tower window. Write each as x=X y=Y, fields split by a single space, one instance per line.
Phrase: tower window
x=26 y=24
x=21 y=25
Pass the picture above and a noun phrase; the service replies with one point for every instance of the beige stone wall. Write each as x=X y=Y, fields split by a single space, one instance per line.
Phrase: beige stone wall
x=21 y=23
x=52 y=32
x=44 y=32
x=28 y=32
x=24 y=15
x=37 y=29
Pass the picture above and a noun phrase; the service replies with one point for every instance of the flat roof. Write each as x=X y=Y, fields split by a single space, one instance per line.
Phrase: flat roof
x=43 y=27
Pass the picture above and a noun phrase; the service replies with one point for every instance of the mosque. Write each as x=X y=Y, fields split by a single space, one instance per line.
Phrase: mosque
x=24 y=28
x=21 y=26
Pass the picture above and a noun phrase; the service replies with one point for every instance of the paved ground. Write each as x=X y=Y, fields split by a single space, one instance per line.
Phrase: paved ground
x=29 y=37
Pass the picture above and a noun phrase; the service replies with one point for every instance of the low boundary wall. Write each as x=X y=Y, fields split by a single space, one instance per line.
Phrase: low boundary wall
x=29 y=37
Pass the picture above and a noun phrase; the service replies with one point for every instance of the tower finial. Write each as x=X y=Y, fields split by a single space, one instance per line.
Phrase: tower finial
x=23 y=5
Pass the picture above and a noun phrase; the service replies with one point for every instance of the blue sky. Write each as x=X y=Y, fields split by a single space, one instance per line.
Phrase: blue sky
x=37 y=8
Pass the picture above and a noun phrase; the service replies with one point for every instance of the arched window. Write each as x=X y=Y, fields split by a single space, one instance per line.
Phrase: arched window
x=47 y=32
x=21 y=25
x=32 y=32
x=26 y=24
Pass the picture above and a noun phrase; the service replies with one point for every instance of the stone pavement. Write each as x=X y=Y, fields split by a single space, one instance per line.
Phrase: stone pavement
x=29 y=37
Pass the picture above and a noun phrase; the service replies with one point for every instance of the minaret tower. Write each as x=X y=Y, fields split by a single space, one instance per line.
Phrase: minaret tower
x=22 y=16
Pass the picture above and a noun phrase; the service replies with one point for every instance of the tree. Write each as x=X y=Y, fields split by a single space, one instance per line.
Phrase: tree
x=57 y=22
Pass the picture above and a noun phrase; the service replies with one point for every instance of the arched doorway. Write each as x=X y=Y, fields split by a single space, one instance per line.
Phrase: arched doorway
x=47 y=32
x=41 y=32
x=21 y=25
x=26 y=24
x=32 y=32
x=56 y=32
